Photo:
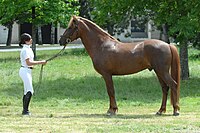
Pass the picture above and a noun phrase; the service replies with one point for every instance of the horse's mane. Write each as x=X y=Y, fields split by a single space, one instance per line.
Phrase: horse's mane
x=94 y=25
x=70 y=22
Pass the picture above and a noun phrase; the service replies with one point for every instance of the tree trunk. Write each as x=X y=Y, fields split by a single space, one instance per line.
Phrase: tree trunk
x=56 y=36
x=33 y=33
x=165 y=33
x=184 y=61
x=110 y=29
x=52 y=34
x=39 y=35
x=84 y=9
x=161 y=34
x=9 y=38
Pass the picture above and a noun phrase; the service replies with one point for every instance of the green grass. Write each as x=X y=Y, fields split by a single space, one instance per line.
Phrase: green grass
x=72 y=98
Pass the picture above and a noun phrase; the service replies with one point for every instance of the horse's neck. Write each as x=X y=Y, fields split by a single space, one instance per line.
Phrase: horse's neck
x=92 y=40
x=90 y=44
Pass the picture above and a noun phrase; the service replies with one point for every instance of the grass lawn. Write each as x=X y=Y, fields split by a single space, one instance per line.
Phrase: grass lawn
x=72 y=98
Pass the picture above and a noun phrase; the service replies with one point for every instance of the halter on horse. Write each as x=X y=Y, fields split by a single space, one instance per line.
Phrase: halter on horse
x=111 y=57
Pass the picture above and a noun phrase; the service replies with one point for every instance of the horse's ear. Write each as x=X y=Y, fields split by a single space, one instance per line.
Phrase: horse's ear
x=75 y=20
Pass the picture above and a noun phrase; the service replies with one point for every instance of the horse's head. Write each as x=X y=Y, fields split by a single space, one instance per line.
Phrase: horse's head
x=71 y=33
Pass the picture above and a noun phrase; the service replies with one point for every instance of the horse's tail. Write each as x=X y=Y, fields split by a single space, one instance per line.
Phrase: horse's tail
x=175 y=73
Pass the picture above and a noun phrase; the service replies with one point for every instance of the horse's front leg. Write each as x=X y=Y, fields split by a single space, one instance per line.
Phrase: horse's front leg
x=111 y=93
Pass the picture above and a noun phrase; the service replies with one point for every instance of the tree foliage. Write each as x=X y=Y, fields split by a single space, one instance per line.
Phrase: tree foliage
x=181 y=16
x=106 y=13
x=47 y=11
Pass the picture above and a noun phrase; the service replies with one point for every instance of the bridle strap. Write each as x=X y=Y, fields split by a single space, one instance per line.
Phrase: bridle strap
x=75 y=30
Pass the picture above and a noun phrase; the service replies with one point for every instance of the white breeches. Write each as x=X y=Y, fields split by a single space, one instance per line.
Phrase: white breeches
x=26 y=76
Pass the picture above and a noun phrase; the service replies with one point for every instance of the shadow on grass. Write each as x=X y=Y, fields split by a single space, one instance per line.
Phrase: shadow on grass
x=145 y=90
x=139 y=90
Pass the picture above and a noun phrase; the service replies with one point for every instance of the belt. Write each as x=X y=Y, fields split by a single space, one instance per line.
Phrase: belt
x=27 y=67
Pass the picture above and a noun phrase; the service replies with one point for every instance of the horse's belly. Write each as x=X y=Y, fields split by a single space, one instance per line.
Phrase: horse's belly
x=123 y=66
x=124 y=70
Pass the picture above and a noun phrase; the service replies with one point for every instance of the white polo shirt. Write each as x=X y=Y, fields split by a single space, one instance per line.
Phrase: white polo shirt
x=26 y=53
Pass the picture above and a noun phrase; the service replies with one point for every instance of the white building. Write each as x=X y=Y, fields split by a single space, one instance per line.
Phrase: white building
x=4 y=34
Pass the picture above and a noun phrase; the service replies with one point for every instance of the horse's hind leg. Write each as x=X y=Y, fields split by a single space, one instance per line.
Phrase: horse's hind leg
x=165 y=90
x=166 y=77
x=111 y=93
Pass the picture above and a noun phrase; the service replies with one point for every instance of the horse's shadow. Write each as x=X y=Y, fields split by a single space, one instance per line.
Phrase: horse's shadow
x=90 y=88
x=100 y=116
x=118 y=116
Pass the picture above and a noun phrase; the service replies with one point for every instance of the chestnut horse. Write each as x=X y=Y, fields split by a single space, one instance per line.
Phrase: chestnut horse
x=111 y=57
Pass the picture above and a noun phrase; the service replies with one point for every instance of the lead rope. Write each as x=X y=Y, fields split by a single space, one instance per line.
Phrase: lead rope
x=42 y=66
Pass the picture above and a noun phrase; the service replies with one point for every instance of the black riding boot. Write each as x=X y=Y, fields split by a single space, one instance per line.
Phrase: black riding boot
x=26 y=101
x=23 y=100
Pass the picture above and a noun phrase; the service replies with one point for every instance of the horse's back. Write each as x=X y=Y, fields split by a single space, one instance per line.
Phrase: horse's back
x=149 y=54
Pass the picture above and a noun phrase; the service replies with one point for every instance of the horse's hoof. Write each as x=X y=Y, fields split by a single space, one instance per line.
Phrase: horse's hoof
x=176 y=114
x=110 y=113
x=159 y=113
